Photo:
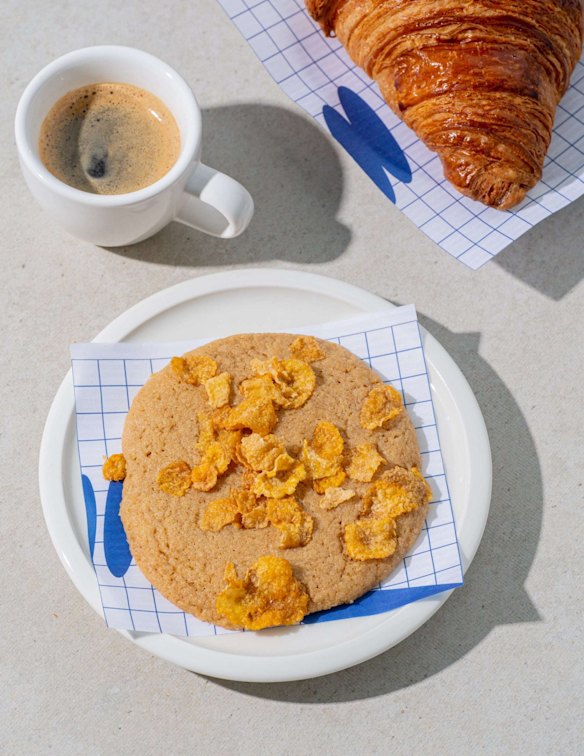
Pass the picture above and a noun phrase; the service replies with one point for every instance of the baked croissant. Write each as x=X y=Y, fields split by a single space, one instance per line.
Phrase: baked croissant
x=477 y=80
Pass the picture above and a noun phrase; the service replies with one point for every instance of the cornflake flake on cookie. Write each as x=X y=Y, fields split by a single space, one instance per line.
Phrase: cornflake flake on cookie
x=335 y=496
x=332 y=481
x=229 y=440
x=261 y=388
x=252 y=511
x=365 y=461
x=280 y=485
x=218 y=513
x=399 y=491
x=374 y=535
x=206 y=434
x=259 y=417
x=175 y=478
x=218 y=390
x=306 y=348
x=323 y=455
x=288 y=516
x=241 y=508
x=268 y=596
x=194 y=369
x=264 y=454
x=294 y=379
x=371 y=538
x=216 y=459
x=382 y=405
x=209 y=435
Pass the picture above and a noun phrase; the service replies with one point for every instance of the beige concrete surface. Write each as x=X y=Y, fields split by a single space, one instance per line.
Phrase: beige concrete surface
x=499 y=669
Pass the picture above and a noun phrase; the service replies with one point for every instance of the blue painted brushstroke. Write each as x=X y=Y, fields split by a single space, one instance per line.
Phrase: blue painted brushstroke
x=376 y=602
x=90 y=512
x=115 y=543
x=368 y=140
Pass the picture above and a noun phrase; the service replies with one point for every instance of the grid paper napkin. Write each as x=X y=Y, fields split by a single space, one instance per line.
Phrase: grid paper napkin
x=317 y=73
x=108 y=376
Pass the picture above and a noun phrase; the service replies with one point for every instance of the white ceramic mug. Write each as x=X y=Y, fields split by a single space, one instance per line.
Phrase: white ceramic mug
x=190 y=192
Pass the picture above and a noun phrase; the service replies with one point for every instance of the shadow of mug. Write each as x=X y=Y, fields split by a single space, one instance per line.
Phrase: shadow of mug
x=493 y=593
x=294 y=175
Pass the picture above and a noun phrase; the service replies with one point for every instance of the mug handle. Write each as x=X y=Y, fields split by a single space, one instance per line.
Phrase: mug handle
x=215 y=203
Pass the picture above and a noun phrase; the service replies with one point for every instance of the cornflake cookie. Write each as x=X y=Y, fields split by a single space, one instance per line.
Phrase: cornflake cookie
x=269 y=476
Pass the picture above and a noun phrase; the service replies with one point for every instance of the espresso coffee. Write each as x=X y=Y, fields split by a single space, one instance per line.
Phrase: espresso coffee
x=109 y=139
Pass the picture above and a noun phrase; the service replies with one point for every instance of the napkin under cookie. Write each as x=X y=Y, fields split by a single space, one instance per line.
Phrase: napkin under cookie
x=108 y=376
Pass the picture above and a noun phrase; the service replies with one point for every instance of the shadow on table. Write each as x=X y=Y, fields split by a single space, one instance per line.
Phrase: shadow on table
x=541 y=260
x=493 y=593
x=294 y=176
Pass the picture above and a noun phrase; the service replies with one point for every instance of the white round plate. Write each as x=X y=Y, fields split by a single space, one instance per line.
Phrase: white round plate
x=264 y=300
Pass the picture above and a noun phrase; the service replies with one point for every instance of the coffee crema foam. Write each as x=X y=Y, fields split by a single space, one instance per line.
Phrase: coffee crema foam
x=109 y=138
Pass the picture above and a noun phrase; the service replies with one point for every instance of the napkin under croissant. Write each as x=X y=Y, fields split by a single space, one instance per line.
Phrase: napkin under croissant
x=477 y=80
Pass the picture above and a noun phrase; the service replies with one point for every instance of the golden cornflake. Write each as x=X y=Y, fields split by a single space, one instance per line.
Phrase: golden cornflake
x=247 y=479
x=333 y=481
x=240 y=508
x=371 y=538
x=397 y=492
x=365 y=461
x=382 y=405
x=324 y=454
x=258 y=452
x=256 y=518
x=251 y=512
x=219 y=419
x=215 y=461
x=194 y=369
x=229 y=440
x=280 y=485
x=294 y=379
x=282 y=463
x=175 y=478
x=416 y=473
x=218 y=390
x=327 y=441
x=258 y=417
x=289 y=517
x=317 y=466
x=268 y=596
x=217 y=514
x=114 y=468
x=209 y=436
x=262 y=368
x=217 y=456
x=261 y=388
x=204 y=476
x=206 y=431
x=335 y=496
x=373 y=534
x=306 y=348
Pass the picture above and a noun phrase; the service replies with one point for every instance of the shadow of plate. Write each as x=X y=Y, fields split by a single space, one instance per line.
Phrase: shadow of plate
x=494 y=592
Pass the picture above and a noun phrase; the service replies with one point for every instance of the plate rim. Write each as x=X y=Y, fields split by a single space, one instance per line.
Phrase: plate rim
x=221 y=663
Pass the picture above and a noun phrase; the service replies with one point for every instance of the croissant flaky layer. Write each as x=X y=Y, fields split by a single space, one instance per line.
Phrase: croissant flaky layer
x=477 y=80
